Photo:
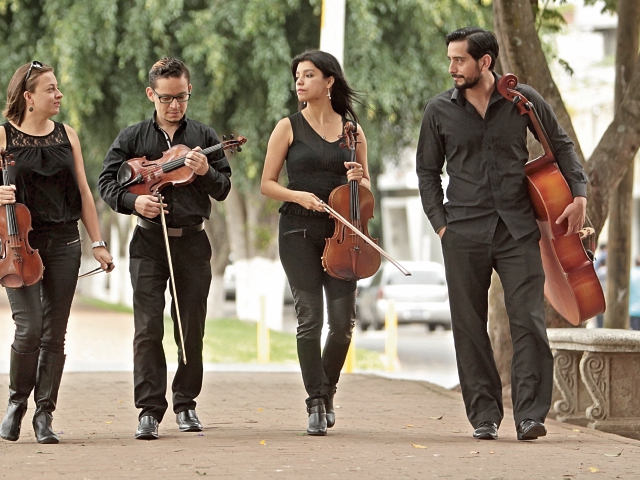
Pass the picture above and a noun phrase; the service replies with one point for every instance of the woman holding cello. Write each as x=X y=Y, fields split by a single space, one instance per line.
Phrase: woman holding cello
x=45 y=174
x=316 y=164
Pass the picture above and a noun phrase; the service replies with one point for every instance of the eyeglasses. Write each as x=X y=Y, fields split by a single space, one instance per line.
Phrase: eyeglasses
x=183 y=97
x=34 y=64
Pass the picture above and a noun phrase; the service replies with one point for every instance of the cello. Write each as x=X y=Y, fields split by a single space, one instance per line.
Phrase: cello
x=20 y=265
x=571 y=284
x=350 y=253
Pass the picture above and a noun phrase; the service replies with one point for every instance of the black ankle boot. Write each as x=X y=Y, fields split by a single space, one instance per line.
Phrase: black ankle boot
x=22 y=378
x=331 y=413
x=50 y=369
x=317 y=417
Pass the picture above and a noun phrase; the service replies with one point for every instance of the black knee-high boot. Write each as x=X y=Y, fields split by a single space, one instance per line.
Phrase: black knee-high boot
x=22 y=378
x=342 y=321
x=45 y=394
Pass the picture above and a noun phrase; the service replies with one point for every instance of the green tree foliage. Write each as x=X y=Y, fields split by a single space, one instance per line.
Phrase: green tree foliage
x=239 y=54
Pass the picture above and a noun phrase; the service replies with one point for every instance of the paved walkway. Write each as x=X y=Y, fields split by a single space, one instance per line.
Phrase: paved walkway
x=255 y=423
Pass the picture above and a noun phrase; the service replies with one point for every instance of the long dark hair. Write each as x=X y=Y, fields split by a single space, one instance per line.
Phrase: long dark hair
x=16 y=104
x=342 y=95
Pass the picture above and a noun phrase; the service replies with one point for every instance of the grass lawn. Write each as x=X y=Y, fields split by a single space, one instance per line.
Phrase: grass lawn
x=235 y=341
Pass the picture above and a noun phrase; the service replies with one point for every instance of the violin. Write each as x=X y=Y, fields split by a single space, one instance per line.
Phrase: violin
x=148 y=177
x=20 y=265
x=346 y=255
x=571 y=284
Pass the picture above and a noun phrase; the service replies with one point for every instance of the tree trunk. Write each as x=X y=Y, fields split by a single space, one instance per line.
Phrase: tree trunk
x=621 y=203
x=217 y=233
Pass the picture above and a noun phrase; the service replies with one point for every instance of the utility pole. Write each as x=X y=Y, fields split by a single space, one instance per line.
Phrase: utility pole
x=332 y=28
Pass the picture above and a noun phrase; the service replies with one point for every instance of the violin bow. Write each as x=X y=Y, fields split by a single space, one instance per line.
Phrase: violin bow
x=348 y=224
x=173 y=280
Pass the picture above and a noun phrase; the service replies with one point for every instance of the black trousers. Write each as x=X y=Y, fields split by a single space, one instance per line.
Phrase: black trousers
x=301 y=244
x=149 y=270
x=468 y=267
x=41 y=311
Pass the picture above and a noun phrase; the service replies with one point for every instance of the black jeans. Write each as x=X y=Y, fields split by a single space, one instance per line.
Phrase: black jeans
x=468 y=269
x=301 y=244
x=149 y=271
x=41 y=311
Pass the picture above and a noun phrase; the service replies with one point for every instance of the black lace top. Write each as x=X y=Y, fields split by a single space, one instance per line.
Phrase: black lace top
x=313 y=165
x=44 y=176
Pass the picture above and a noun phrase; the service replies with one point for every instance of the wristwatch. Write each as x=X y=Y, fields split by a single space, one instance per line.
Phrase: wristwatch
x=100 y=243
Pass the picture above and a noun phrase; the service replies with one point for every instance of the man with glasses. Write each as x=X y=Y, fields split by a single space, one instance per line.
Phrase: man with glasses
x=185 y=209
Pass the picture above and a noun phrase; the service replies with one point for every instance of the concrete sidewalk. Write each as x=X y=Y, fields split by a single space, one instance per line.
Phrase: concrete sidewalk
x=255 y=424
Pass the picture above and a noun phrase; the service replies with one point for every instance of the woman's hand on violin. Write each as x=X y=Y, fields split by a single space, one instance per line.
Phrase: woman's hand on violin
x=7 y=194
x=197 y=162
x=102 y=255
x=310 y=201
x=149 y=206
x=575 y=214
x=356 y=173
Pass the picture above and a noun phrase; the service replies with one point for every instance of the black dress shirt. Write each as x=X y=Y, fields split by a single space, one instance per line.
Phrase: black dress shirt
x=187 y=204
x=485 y=160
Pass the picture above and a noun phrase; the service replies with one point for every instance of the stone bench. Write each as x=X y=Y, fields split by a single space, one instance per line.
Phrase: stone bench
x=597 y=372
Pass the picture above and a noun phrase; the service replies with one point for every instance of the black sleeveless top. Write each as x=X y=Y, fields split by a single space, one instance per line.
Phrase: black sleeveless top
x=313 y=165
x=44 y=176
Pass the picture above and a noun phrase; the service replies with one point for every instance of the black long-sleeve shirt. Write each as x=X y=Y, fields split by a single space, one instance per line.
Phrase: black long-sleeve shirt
x=187 y=204
x=485 y=163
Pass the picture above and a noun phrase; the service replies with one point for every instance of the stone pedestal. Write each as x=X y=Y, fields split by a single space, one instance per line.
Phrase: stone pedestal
x=598 y=374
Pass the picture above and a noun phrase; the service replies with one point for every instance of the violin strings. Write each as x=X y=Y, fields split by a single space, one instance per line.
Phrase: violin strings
x=175 y=163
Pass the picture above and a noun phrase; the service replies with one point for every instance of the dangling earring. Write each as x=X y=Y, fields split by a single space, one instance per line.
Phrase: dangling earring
x=31 y=109
x=329 y=93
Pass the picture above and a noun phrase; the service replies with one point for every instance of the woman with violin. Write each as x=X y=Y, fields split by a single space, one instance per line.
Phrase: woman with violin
x=488 y=223
x=45 y=173
x=309 y=141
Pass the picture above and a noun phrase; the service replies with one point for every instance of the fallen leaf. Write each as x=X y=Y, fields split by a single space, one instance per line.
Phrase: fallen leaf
x=437 y=418
x=110 y=421
x=263 y=442
x=203 y=473
x=613 y=454
x=491 y=453
x=472 y=452
x=593 y=469
x=415 y=445
x=457 y=431
x=576 y=429
x=259 y=410
x=409 y=425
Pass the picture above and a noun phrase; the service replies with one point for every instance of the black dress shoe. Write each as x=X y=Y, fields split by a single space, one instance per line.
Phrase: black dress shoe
x=486 y=431
x=147 y=428
x=317 y=417
x=188 y=421
x=530 y=429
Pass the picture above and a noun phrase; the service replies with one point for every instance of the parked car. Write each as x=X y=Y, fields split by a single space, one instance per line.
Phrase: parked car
x=421 y=297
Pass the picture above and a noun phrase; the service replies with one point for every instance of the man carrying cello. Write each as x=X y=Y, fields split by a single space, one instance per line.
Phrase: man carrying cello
x=185 y=208
x=488 y=223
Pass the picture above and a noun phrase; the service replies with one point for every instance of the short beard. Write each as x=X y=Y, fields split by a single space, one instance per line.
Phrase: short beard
x=468 y=83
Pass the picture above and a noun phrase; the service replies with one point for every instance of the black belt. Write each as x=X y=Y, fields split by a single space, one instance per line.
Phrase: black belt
x=172 y=232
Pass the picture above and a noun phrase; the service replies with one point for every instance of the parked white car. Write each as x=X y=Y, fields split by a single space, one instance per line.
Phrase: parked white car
x=419 y=298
